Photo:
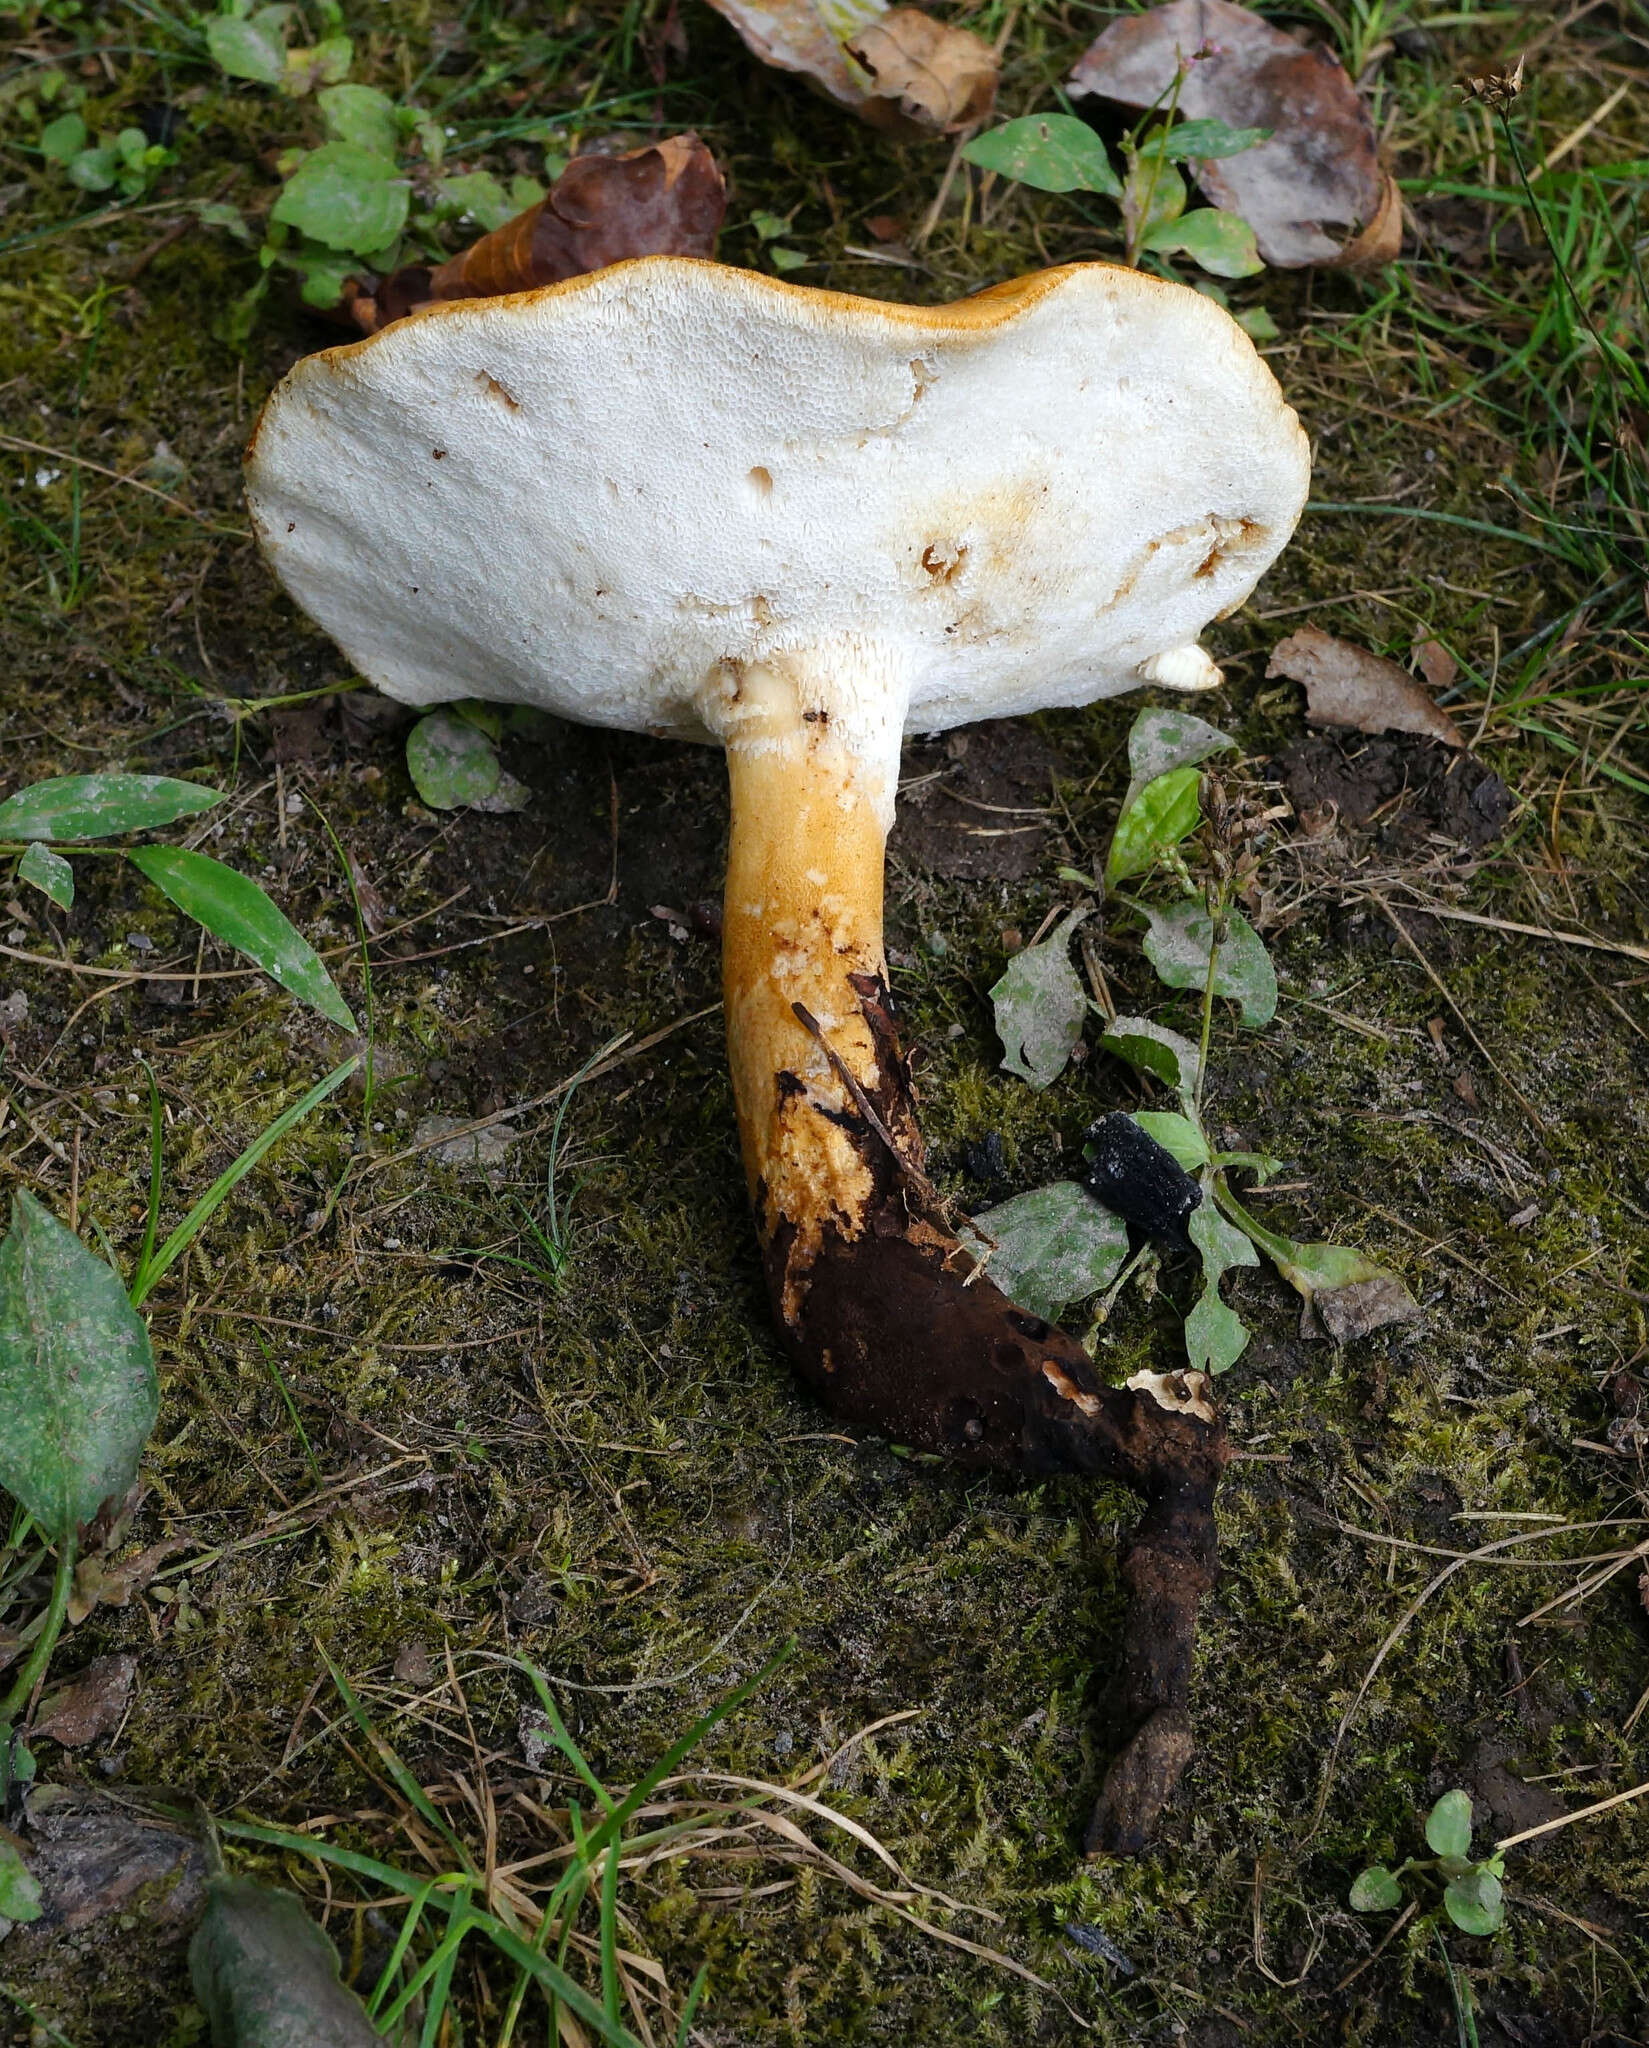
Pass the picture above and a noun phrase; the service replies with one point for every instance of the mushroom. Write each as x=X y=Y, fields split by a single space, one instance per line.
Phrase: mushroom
x=676 y=498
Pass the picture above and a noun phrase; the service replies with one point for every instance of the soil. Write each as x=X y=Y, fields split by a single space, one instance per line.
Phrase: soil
x=1404 y=789
x=978 y=803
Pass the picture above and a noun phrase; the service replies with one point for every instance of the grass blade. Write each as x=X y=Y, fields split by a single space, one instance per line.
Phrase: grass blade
x=143 y=1281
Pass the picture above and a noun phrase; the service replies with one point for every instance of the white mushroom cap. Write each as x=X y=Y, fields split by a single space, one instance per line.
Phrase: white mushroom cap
x=599 y=497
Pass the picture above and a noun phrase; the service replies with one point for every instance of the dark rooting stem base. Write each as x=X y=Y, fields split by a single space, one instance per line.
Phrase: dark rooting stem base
x=899 y=1332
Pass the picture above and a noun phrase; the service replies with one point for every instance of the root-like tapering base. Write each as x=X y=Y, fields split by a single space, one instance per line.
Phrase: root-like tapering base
x=898 y=1331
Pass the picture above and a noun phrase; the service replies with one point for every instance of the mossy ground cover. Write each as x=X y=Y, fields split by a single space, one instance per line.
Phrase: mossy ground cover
x=612 y=1474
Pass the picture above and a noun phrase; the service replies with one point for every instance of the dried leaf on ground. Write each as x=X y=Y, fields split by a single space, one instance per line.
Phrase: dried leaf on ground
x=938 y=77
x=900 y=69
x=665 y=200
x=1313 y=193
x=89 y=1706
x=1347 y=685
x=94 y=1852
x=97 y=1583
x=1437 y=664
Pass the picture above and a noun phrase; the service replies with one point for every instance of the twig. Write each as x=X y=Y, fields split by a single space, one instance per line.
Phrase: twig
x=867 y=1109
x=115 y=476
x=1565 y=1820
x=1379 y=1950
x=1464 y=1021
x=1535 y=931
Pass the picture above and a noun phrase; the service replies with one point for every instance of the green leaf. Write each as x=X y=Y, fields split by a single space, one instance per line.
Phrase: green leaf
x=1177 y=1135
x=1215 y=1335
x=1153 y=194
x=234 y=909
x=1258 y=324
x=1475 y=1902
x=95 y=170
x=1160 y=741
x=787 y=259
x=326 y=63
x=48 y=872
x=267 y=1975
x=362 y=115
x=323 y=272
x=1376 y=1890
x=1153 y=1049
x=1178 y=944
x=20 y=1897
x=1207 y=139
x=1449 y=1825
x=1164 y=812
x=1346 y=1293
x=77 y=1380
x=769 y=226
x=1053 y=152
x=451 y=762
x=432 y=140
x=62 y=140
x=70 y=808
x=345 y=197
x=1223 y=243
x=1054 y=1245
x=478 y=196
x=1040 y=1007
x=254 y=49
x=218 y=213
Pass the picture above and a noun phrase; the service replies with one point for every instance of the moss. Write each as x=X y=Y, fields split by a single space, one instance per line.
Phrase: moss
x=614 y=1476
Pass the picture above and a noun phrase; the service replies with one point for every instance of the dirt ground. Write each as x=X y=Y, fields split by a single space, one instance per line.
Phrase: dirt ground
x=380 y=1437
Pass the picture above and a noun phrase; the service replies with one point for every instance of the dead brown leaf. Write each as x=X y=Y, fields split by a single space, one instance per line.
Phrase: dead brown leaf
x=89 y=1706
x=94 y=1852
x=1347 y=685
x=940 y=78
x=1437 y=665
x=665 y=200
x=899 y=69
x=1345 y=1313
x=1315 y=192
x=98 y=1583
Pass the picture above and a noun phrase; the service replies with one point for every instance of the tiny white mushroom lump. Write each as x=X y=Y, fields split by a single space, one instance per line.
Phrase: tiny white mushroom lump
x=601 y=497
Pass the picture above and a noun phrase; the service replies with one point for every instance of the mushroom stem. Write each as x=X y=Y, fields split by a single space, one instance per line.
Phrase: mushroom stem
x=879 y=1306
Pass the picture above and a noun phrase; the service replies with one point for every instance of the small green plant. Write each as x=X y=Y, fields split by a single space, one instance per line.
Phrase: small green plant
x=1057 y=1244
x=1059 y=153
x=125 y=162
x=576 y=1921
x=452 y=756
x=43 y=823
x=78 y=1392
x=370 y=196
x=1450 y=1880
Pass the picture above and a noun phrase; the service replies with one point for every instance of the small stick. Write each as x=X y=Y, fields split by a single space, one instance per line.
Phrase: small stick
x=1442 y=989
x=1565 y=1820
x=867 y=1109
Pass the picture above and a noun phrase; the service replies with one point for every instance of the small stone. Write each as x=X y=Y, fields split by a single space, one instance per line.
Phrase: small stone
x=412 y=1664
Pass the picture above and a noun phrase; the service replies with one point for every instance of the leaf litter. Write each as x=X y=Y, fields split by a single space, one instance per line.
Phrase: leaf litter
x=1347 y=685
x=897 y=68
x=1315 y=191
x=667 y=199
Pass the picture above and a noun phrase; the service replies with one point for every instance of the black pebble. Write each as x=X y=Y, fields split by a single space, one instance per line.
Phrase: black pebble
x=1137 y=1179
